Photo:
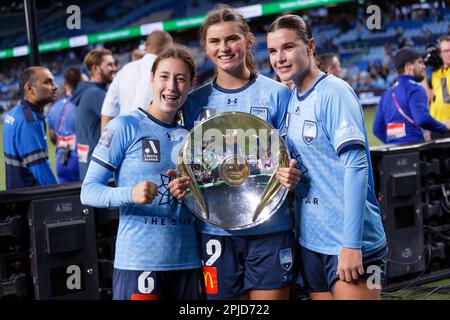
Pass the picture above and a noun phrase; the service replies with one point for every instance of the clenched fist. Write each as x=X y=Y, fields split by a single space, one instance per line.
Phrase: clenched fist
x=144 y=192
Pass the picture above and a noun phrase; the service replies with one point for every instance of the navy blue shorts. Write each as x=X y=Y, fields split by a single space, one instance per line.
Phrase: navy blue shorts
x=158 y=285
x=318 y=271
x=235 y=264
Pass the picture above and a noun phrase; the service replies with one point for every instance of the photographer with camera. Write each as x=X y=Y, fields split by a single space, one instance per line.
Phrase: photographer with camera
x=438 y=85
x=403 y=110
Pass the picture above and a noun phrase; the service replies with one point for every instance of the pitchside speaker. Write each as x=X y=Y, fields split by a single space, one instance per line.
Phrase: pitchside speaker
x=63 y=249
x=401 y=207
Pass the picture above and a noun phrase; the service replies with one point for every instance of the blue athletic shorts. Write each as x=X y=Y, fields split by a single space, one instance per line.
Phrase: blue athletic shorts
x=318 y=271
x=158 y=285
x=232 y=265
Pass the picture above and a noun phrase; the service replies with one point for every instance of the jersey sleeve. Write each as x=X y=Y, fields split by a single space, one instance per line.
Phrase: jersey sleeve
x=282 y=102
x=33 y=153
x=354 y=158
x=341 y=115
x=111 y=106
x=106 y=158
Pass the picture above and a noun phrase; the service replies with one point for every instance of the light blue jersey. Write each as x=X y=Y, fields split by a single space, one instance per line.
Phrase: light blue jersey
x=262 y=97
x=321 y=122
x=159 y=236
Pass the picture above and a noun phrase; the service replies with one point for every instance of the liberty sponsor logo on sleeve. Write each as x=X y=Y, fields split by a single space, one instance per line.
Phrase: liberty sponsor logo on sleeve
x=263 y=113
x=151 y=150
x=83 y=152
x=347 y=129
x=309 y=132
x=396 y=130
x=106 y=138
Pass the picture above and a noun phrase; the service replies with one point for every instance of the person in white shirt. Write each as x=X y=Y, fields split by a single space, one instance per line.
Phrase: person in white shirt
x=131 y=88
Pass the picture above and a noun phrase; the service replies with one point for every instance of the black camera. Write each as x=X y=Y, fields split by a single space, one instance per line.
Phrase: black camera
x=433 y=58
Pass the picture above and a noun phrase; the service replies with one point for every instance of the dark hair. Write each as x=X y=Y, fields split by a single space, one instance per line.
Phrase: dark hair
x=293 y=22
x=401 y=70
x=27 y=76
x=177 y=52
x=326 y=60
x=72 y=76
x=443 y=38
x=95 y=57
x=224 y=13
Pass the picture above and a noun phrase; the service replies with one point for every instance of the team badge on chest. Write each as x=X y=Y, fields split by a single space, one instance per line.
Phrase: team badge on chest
x=263 y=113
x=151 y=150
x=309 y=132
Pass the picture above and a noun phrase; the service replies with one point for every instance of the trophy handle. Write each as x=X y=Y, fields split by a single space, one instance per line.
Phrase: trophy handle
x=273 y=186
x=195 y=190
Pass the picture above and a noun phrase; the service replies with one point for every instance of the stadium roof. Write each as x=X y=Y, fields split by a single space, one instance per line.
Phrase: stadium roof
x=250 y=11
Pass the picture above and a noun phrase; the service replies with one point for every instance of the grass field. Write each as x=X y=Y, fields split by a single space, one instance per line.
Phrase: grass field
x=437 y=290
x=369 y=114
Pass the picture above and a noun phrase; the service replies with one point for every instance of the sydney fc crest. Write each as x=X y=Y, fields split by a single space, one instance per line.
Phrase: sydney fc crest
x=286 y=258
x=309 y=132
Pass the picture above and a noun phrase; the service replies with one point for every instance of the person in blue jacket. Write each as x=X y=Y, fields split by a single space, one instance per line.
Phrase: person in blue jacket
x=403 y=111
x=61 y=123
x=24 y=132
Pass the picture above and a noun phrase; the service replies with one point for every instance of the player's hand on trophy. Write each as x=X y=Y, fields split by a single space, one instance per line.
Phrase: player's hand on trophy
x=178 y=186
x=289 y=177
x=144 y=192
x=350 y=266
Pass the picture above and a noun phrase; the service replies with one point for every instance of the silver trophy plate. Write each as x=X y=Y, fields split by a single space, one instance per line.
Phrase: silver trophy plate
x=231 y=160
